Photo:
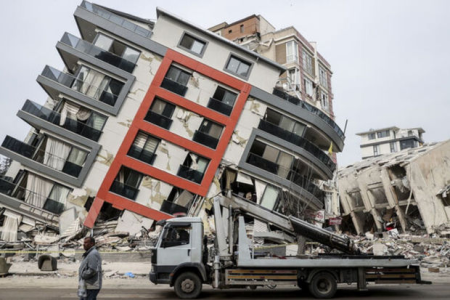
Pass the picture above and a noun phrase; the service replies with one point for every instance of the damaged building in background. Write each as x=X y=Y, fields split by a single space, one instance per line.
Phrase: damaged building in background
x=407 y=190
x=147 y=120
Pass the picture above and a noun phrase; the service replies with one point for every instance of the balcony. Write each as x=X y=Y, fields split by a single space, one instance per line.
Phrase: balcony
x=19 y=193
x=99 y=53
x=174 y=87
x=142 y=155
x=172 y=208
x=40 y=155
x=53 y=117
x=124 y=190
x=298 y=141
x=310 y=108
x=83 y=87
x=219 y=106
x=205 y=139
x=158 y=119
x=190 y=174
x=116 y=19
x=291 y=175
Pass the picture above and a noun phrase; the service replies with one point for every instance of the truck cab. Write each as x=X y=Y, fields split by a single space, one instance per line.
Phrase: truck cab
x=179 y=256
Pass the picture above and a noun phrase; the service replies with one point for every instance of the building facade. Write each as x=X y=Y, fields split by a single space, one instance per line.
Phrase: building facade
x=144 y=124
x=377 y=142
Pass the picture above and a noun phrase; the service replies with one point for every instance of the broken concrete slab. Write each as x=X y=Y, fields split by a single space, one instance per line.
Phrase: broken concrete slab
x=132 y=223
x=66 y=219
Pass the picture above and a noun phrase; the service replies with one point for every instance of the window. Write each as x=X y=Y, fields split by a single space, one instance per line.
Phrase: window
x=307 y=63
x=407 y=144
x=120 y=49
x=376 y=150
x=160 y=113
x=393 y=146
x=308 y=87
x=372 y=136
x=211 y=128
x=382 y=134
x=144 y=148
x=324 y=101
x=323 y=77
x=270 y=197
x=294 y=78
x=97 y=85
x=270 y=159
x=291 y=51
x=284 y=122
x=222 y=101
x=127 y=183
x=238 y=67
x=56 y=200
x=176 y=81
x=192 y=44
x=241 y=28
x=176 y=235
x=193 y=168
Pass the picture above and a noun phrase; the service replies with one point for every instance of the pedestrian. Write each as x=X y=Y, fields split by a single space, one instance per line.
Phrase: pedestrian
x=90 y=270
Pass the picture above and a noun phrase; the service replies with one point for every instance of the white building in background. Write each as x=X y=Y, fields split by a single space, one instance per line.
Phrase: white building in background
x=377 y=142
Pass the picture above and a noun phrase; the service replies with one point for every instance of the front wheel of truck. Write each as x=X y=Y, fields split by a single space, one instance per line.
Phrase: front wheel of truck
x=188 y=286
x=323 y=285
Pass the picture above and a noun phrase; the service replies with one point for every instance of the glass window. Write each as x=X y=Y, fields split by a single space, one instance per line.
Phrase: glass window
x=131 y=55
x=176 y=236
x=323 y=77
x=382 y=134
x=96 y=121
x=376 y=150
x=393 y=147
x=178 y=75
x=307 y=62
x=291 y=51
x=103 y=42
x=192 y=44
x=308 y=87
x=77 y=156
x=324 y=101
x=225 y=96
x=238 y=66
x=372 y=136
x=269 y=198
x=163 y=108
x=211 y=129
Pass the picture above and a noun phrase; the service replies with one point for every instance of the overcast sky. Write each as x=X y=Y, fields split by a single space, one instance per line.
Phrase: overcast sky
x=390 y=59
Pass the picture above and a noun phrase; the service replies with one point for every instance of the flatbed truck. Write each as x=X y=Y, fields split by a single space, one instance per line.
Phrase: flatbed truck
x=182 y=259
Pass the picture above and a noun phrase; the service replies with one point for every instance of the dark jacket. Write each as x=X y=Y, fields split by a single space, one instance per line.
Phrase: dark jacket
x=91 y=269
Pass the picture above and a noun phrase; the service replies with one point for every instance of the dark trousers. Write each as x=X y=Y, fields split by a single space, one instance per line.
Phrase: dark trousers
x=91 y=295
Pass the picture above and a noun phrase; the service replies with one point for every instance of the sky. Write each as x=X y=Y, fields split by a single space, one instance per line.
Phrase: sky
x=390 y=59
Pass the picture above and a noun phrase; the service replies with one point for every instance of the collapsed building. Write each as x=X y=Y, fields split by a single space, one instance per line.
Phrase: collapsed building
x=152 y=119
x=408 y=190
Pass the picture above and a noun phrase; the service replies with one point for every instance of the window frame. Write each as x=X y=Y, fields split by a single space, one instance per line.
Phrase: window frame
x=241 y=60
x=293 y=57
x=194 y=37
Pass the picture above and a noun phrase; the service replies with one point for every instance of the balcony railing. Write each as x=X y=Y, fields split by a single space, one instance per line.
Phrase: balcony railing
x=116 y=19
x=190 y=174
x=124 y=190
x=97 y=52
x=205 y=139
x=219 y=106
x=142 y=155
x=41 y=156
x=311 y=109
x=172 y=208
x=289 y=174
x=15 y=191
x=78 y=85
x=55 y=118
x=158 y=119
x=174 y=87
x=297 y=140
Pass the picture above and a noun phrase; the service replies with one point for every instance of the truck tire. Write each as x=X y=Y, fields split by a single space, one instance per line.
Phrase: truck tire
x=188 y=285
x=323 y=285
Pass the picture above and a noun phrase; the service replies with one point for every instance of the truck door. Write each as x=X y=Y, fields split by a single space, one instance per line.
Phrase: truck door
x=176 y=245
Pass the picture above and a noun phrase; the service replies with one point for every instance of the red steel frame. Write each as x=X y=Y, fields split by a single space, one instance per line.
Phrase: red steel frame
x=139 y=124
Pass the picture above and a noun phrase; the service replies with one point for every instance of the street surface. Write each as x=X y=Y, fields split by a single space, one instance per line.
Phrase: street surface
x=435 y=291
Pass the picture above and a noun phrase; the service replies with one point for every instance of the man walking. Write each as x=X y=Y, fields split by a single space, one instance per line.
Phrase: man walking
x=91 y=269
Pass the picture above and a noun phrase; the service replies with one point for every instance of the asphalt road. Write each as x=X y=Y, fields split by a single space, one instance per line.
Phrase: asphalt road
x=435 y=291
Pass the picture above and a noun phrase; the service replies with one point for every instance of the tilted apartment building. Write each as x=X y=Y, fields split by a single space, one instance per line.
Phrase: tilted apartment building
x=155 y=119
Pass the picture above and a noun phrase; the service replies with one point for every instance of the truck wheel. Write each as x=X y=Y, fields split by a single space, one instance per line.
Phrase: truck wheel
x=323 y=285
x=188 y=286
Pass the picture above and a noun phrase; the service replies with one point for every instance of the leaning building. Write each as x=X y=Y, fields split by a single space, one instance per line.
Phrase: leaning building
x=149 y=119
